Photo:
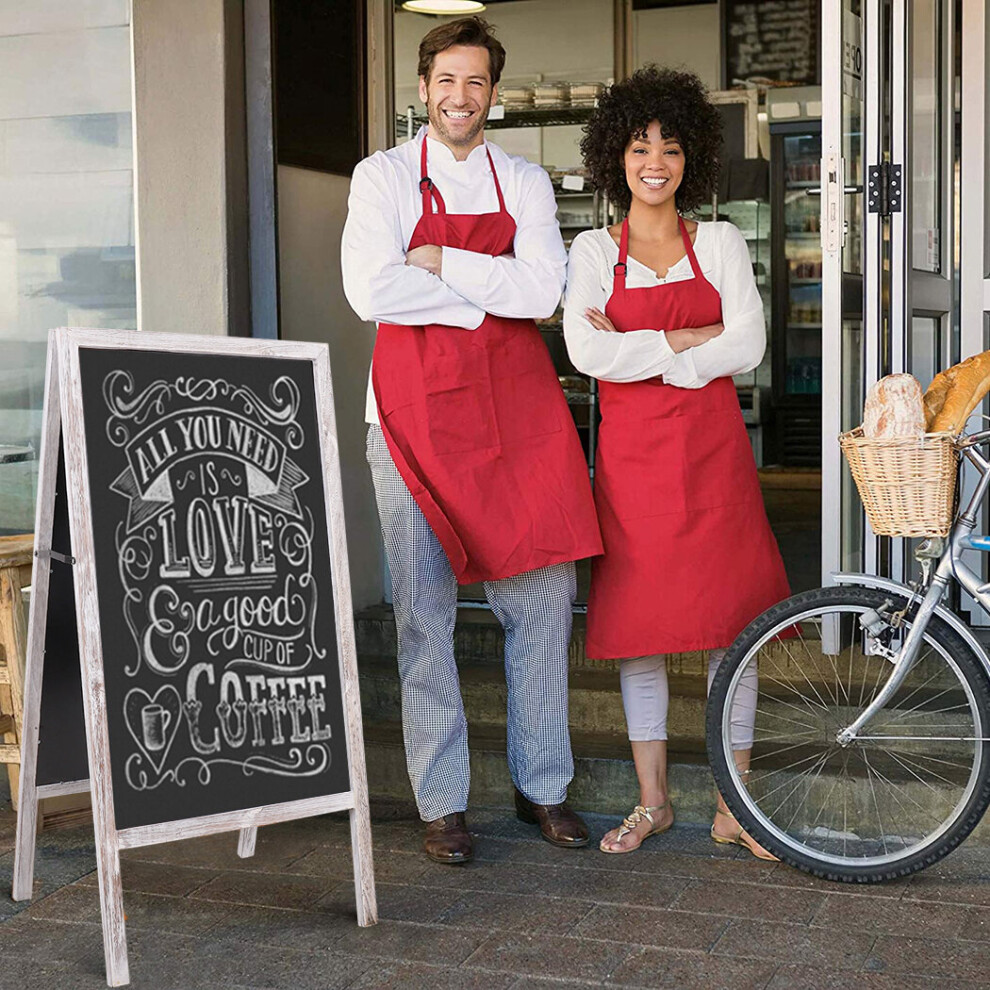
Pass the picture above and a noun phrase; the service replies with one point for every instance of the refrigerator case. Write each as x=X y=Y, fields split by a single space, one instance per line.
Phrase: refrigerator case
x=796 y=307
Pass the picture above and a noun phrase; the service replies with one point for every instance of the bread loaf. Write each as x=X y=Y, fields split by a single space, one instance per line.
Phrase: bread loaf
x=956 y=392
x=894 y=408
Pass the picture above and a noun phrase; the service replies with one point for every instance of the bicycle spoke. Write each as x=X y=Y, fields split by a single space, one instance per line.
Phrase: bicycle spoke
x=791 y=687
x=777 y=752
x=831 y=791
x=807 y=759
x=904 y=763
x=822 y=760
x=948 y=763
x=811 y=784
x=883 y=836
x=932 y=816
x=835 y=697
x=770 y=714
x=902 y=701
x=804 y=675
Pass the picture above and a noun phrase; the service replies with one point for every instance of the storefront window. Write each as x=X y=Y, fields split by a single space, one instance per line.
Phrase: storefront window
x=66 y=206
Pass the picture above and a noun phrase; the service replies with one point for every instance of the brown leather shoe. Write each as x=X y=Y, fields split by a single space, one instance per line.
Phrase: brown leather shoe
x=558 y=824
x=448 y=840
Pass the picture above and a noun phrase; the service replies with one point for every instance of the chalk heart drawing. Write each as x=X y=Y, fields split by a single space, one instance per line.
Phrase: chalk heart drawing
x=153 y=721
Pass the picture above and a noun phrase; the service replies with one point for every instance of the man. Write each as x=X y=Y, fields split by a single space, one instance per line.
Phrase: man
x=453 y=247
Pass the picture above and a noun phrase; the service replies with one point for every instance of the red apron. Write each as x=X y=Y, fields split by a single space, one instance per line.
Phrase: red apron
x=478 y=426
x=689 y=558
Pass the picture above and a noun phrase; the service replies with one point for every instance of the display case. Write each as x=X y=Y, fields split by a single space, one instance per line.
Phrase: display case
x=753 y=217
x=797 y=294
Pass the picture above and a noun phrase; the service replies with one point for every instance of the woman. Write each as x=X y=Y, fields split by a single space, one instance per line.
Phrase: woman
x=663 y=311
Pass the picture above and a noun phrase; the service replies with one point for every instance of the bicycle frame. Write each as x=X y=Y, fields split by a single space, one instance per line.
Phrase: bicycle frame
x=950 y=566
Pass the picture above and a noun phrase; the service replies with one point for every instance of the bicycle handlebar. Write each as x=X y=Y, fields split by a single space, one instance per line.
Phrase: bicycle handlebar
x=972 y=439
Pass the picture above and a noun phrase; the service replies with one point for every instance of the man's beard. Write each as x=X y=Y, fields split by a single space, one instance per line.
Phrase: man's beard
x=439 y=124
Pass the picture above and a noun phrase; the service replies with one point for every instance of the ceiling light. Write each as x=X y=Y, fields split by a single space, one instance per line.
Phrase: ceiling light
x=443 y=6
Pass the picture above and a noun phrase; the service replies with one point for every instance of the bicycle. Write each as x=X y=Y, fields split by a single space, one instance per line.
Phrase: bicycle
x=871 y=748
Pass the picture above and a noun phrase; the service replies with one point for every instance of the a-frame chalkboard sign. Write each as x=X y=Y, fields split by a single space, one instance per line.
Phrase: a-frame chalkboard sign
x=191 y=659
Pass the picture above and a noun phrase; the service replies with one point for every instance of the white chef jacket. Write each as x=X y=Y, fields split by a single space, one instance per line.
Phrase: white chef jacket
x=640 y=354
x=385 y=205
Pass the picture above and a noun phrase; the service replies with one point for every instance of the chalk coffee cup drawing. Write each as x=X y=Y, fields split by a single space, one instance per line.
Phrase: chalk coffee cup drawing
x=155 y=721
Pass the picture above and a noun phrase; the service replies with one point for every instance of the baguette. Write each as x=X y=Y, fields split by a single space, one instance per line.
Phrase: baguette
x=956 y=392
x=894 y=408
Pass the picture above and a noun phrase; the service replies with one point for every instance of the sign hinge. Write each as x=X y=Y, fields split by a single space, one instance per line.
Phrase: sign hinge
x=62 y=558
x=884 y=191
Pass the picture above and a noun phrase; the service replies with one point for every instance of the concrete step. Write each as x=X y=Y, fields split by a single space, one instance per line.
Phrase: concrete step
x=604 y=776
x=594 y=700
x=478 y=638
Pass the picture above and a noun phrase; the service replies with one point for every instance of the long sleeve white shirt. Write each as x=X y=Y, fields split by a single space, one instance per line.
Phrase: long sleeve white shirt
x=644 y=353
x=385 y=205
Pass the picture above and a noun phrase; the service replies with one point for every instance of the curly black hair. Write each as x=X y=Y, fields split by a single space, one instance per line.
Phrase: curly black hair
x=679 y=101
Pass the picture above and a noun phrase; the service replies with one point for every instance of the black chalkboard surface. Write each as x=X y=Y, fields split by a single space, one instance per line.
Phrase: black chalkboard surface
x=213 y=582
x=62 y=737
x=773 y=39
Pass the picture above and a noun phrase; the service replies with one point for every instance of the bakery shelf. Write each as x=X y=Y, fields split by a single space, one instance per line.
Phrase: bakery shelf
x=522 y=117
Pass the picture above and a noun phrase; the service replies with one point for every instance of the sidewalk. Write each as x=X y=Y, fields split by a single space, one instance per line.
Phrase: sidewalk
x=681 y=913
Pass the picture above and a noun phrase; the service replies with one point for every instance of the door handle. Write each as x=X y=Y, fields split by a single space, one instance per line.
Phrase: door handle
x=847 y=189
x=833 y=201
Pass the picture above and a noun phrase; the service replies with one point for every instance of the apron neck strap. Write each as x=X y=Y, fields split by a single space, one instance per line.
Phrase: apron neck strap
x=430 y=192
x=689 y=247
x=498 y=188
x=619 y=271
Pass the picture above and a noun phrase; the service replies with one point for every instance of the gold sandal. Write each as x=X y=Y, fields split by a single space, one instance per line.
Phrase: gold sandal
x=737 y=840
x=629 y=824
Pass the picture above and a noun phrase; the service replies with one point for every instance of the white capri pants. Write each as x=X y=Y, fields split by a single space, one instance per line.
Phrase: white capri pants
x=646 y=698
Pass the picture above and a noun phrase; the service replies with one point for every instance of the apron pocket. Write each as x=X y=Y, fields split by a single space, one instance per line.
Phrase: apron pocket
x=529 y=406
x=457 y=392
x=642 y=469
x=460 y=419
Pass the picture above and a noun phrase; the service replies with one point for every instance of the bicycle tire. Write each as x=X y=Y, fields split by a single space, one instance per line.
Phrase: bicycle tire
x=727 y=780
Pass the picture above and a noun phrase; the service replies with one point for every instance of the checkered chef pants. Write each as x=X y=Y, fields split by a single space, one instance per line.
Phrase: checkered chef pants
x=535 y=611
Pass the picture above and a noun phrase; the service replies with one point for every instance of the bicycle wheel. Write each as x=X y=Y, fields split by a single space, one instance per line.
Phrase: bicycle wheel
x=892 y=802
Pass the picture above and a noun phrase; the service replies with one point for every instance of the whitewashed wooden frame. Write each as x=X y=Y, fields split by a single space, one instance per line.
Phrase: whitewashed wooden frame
x=29 y=793
x=64 y=410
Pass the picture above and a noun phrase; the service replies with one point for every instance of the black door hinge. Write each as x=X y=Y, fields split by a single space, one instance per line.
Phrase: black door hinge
x=884 y=191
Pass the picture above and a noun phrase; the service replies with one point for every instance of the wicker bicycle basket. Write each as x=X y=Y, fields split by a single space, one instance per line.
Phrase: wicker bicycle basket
x=908 y=485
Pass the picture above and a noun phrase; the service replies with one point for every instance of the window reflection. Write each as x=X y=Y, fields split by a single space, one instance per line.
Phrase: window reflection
x=66 y=204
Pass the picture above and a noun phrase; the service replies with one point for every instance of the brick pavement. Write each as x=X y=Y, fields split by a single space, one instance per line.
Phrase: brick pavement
x=681 y=913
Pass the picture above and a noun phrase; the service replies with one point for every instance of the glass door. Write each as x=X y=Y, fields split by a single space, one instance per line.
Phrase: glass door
x=926 y=130
x=847 y=284
x=888 y=250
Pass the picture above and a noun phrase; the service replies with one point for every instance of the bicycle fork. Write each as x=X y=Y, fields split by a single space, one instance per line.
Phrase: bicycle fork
x=906 y=656
x=945 y=572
